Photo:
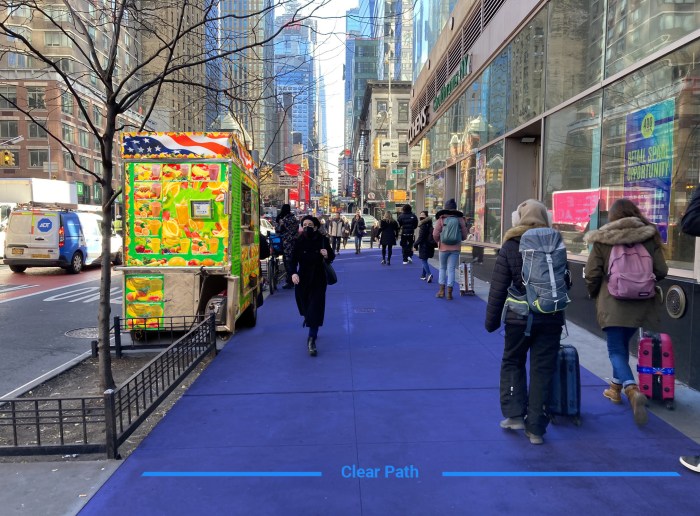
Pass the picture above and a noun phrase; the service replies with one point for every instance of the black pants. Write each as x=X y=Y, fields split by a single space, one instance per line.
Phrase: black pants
x=384 y=251
x=407 y=246
x=543 y=345
x=335 y=243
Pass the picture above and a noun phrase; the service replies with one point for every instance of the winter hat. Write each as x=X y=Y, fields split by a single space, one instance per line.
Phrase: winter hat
x=313 y=219
x=450 y=209
x=531 y=213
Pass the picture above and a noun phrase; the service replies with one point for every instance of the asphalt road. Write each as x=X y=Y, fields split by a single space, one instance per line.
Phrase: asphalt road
x=37 y=308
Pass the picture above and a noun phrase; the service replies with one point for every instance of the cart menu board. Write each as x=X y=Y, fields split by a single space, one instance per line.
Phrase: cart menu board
x=143 y=299
x=176 y=214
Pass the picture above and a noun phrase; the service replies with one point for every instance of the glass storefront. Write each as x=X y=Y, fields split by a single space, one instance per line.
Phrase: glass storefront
x=638 y=137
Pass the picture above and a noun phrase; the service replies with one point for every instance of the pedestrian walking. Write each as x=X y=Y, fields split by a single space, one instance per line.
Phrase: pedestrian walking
x=357 y=230
x=374 y=235
x=288 y=230
x=388 y=231
x=450 y=229
x=690 y=224
x=335 y=231
x=346 y=232
x=620 y=318
x=408 y=222
x=523 y=408
x=425 y=244
x=311 y=250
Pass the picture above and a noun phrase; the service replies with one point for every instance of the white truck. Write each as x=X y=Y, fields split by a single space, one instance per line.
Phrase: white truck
x=25 y=190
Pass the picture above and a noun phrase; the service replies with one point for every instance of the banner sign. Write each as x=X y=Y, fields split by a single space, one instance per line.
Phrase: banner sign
x=649 y=161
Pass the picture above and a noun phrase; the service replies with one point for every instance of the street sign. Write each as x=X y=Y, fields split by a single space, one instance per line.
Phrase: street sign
x=398 y=171
x=389 y=150
x=289 y=181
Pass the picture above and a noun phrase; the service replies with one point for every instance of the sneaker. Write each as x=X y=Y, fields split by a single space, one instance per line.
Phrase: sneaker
x=534 y=439
x=429 y=279
x=422 y=278
x=405 y=262
x=513 y=423
x=691 y=462
x=410 y=260
x=383 y=262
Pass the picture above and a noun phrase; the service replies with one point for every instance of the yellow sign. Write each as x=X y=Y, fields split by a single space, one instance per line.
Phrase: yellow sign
x=400 y=195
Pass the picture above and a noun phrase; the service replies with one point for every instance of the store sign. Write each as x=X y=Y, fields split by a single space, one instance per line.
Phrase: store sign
x=288 y=181
x=419 y=123
x=465 y=69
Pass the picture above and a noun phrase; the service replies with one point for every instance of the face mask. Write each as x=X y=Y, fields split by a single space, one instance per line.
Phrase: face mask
x=308 y=231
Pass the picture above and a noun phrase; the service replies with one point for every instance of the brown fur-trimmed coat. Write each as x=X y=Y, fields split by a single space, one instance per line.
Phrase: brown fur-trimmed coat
x=621 y=312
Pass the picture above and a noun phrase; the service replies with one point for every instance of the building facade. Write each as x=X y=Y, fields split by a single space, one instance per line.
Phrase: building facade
x=576 y=103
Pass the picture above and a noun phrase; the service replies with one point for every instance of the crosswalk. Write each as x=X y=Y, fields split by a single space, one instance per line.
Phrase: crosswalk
x=12 y=288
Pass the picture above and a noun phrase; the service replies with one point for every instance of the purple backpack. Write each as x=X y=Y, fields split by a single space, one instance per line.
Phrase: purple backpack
x=631 y=272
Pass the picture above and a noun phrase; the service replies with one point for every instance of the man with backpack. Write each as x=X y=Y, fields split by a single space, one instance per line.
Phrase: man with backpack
x=408 y=222
x=629 y=243
x=449 y=232
x=529 y=294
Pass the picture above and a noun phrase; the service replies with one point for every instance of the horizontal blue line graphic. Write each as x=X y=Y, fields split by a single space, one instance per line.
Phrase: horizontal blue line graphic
x=232 y=474
x=560 y=474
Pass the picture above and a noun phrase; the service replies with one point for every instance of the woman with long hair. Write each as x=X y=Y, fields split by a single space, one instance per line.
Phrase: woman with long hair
x=288 y=229
x=388 y=231
x=620 y=318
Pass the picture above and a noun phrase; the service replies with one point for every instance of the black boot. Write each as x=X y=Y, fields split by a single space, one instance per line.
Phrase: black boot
x=311 y=344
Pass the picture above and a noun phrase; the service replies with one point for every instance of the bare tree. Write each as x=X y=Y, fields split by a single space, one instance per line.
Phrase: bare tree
x=119 y=55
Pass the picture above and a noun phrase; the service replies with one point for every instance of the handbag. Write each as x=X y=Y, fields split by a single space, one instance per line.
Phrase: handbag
x=331 y=276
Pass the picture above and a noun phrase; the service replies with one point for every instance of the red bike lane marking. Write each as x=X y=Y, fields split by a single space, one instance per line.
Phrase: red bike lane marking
x=34 y=284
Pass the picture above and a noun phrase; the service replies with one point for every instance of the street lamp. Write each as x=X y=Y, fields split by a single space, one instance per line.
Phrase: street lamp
x=12 y=141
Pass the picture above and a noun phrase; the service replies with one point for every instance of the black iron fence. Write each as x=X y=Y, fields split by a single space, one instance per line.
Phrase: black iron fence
x=44 y=426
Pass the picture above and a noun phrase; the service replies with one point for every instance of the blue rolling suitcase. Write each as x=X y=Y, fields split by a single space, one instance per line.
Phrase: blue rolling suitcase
x=565 y=394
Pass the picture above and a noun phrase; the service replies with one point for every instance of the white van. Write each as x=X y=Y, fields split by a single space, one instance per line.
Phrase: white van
x=55 y=238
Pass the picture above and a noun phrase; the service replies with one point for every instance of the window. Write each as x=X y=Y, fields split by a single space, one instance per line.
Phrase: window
x=85 y=162
x=65 y=64
x=37 y=158
x=35 y=97
x=21 y=11
x=97 y=116
x=66 y=103
x=67 y=133
x=8 y=129
x=97 y=192
x=8 y=97
x=15 y=60
x=68 y=161
x=381 y=106
x=36 y=131
x=57 y=39
x=97 y=167
x=84 y=139
x=21 y=31
x=403 y=143
x=403 y=111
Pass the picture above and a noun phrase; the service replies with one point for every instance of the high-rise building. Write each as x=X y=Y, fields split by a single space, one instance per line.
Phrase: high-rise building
x=244 y=75
x=28 y=85
x=295 y=71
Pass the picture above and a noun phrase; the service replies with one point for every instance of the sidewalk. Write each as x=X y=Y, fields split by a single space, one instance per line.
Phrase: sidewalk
x=405 y=387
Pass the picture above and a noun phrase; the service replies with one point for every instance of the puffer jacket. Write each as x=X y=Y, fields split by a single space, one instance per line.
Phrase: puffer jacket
x=610 y=311
x=408 y=222
x=437 y=230
x=507 y=272
x=425 y=249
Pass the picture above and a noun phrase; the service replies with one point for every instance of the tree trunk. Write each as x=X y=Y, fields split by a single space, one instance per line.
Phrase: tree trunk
x=104 y=313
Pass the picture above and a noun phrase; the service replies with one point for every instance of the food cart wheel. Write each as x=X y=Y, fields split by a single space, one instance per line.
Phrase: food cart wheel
x=249 y=317
x=138 y=335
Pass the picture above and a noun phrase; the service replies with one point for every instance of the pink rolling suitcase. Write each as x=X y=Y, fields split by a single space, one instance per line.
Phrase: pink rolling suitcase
x=656 y=367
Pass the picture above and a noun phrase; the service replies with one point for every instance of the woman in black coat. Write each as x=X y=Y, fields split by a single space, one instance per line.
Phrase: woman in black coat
x=388 y=231
x=311 y=249
x=424 y=244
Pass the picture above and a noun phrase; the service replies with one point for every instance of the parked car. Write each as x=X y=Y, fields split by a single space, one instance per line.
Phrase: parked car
x=56 y=238
x=266 y=227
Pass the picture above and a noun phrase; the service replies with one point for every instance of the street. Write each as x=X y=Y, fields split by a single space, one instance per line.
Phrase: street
x=37 y=308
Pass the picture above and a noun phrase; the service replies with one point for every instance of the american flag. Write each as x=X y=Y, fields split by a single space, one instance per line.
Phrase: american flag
x=176 y=144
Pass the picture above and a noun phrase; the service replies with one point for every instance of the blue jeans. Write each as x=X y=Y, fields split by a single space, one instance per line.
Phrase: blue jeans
x=448 y=264
x=618 y=350
x=358 y=242
x=426 y=267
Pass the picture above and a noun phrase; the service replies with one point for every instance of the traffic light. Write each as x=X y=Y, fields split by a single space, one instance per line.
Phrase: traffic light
x=8 y=158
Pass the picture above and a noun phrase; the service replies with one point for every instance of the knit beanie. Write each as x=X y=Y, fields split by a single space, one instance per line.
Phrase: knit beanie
x=451 y=205
x=531 y=213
